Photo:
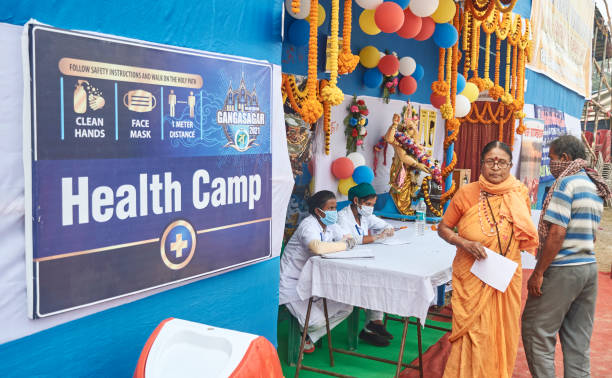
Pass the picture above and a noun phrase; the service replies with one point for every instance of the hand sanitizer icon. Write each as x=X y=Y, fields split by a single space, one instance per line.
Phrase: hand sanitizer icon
x=80 y=97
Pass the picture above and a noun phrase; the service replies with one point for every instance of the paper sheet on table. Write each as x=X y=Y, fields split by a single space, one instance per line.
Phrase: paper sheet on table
x=356 y=253
x=496 y=270
x=398 y=239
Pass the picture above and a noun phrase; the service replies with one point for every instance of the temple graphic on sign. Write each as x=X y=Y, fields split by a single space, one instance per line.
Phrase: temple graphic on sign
x=241 y=99
x=241 y=117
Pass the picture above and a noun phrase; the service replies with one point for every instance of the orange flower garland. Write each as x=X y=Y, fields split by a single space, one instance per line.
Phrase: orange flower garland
x=425 y=187
x=346 y=60
x=326 y=114
x=452 y=124
x=331 y=93
x=311 y=107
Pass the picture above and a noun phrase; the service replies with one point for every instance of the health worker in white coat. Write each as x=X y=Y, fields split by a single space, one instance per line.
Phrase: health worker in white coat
x=359 y=220
x=317 y=234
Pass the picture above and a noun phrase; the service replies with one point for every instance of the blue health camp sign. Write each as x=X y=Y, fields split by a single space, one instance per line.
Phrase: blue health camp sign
x=149 y=165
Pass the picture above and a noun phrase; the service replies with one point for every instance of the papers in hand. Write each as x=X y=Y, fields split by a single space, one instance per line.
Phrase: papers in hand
x=356 y=253
x=496 y=270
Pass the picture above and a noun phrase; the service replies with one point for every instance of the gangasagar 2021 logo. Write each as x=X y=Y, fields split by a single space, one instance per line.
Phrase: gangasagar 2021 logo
x=241 y=117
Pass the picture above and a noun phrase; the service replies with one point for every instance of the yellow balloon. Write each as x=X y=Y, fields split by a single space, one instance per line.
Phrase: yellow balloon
x=470 y=92
x=345 y=184
x=311 y=186
x=367 y=23
x=320 y=16
x=445 y=12
x=369 y=56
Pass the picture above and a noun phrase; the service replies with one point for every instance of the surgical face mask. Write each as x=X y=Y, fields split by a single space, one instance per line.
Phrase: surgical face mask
x=331 y=217
x=365 y=211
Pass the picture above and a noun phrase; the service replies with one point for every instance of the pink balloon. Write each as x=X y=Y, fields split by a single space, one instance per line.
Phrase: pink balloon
x=342 y=168
x=388 y=64
x=408 y=85
x=427 y=29
x=437 y=100
x=389 y=17
x=412 y=25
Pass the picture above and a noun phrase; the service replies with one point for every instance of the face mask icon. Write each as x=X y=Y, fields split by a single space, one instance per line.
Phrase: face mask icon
x=139 y=101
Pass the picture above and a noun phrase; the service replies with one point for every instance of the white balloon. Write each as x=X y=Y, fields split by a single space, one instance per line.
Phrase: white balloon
x=304 y=9
x=462 y=106
x=423 y=8
x=356 y=158
x=367 y=4
x=407 y=66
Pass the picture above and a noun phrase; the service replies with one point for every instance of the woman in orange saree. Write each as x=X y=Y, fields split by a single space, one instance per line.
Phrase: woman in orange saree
x=493 y=213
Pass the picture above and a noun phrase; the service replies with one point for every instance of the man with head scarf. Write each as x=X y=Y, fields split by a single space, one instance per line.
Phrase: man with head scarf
x=563 y=285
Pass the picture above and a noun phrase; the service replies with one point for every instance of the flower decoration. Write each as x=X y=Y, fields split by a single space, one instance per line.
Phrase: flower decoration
x=355 y=124
x=421 y=155
x=389 y=86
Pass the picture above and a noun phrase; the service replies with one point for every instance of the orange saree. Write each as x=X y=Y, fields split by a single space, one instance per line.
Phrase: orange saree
x=486 y=321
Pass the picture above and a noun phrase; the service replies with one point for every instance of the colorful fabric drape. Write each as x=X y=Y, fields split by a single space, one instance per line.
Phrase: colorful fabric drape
x=485 y=320
x=473 y=136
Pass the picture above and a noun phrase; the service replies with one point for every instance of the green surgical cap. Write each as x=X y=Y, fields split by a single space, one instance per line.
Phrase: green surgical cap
x=360 y=191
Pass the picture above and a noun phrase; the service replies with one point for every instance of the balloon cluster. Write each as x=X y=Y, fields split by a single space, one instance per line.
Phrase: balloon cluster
x=418 y=19
x=389 y=66
x=351 y=170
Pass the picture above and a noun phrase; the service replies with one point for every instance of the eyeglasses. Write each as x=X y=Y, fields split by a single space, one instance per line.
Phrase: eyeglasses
x=503 y=164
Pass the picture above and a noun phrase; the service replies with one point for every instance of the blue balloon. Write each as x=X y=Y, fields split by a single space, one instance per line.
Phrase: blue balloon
x=401 y=3
x=460 y=83
x=445 y=35
x=299 y=32
x=418 y=72
x=362 y=174
x=373 y=78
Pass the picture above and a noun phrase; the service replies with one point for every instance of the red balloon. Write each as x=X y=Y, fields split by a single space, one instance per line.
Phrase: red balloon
x=408 y=85
x=311 y=166
x=389 y=17
x=427 y=29
x=437 y=100
x=412 y=25
x=388 y=64
x=342 y=168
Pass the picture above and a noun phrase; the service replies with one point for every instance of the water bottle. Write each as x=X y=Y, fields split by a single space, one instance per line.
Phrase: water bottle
x=421 y=209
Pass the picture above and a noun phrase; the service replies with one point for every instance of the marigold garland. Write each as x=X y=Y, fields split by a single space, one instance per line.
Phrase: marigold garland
x=440 y=88
x=326 y=115
x=425 y=188
x=311 y=107
x=347 y=61
x=452 y=124
x=331 y=93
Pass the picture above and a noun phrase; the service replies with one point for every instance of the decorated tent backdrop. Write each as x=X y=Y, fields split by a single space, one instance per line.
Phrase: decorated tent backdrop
x=563 y=31
x=476 y=132
x=244 y=300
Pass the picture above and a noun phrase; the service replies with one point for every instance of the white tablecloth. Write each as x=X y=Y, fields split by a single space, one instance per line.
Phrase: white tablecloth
x=400 y=279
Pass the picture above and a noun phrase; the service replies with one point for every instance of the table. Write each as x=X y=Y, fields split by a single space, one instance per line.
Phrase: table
x=400 y=280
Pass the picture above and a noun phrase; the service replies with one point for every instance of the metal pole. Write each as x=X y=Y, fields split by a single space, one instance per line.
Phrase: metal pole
x=600 y=78
x=329 y=339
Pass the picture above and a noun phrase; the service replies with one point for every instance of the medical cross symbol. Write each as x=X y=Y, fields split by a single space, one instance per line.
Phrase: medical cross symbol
x=178 y=245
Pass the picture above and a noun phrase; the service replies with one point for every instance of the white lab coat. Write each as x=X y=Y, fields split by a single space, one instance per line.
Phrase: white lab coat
x=346 y=220
x=295 y=256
